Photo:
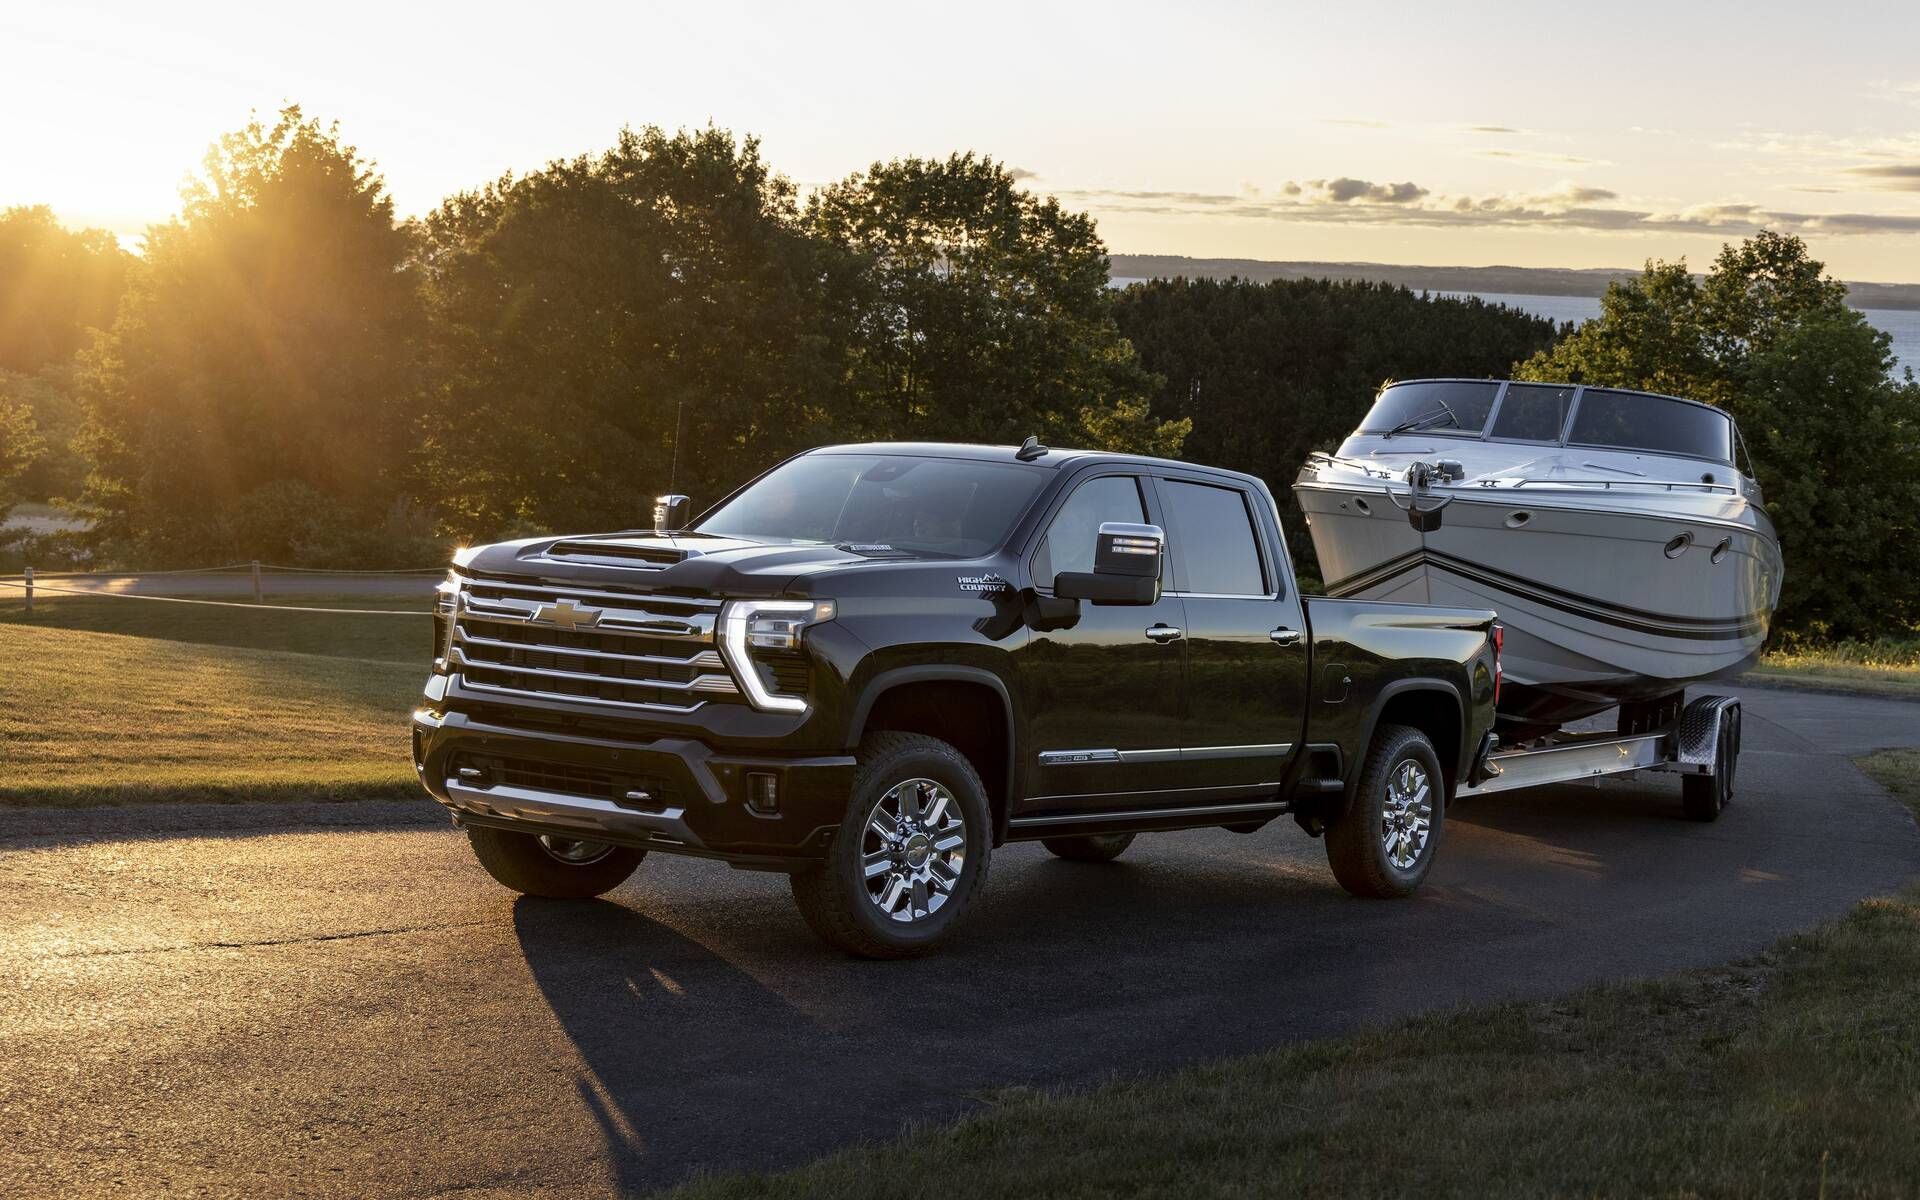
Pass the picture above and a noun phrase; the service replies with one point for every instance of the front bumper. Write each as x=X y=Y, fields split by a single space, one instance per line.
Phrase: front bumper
x=672 y=794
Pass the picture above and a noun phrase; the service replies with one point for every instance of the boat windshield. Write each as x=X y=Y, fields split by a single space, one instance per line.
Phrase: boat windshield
x=1655 y=424
x=944 y=507
x=1456 y=407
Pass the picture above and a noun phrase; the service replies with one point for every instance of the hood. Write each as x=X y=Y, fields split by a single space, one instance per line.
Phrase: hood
x=678 y=562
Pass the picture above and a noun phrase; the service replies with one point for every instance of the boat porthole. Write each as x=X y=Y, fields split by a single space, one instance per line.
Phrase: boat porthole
x=1678 y=545
x=1517 y=519
x=1720 y=551
x=1366 y=510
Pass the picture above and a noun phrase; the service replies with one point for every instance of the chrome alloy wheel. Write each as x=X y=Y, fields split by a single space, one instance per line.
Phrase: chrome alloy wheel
x=1406 y=818
x=572 y=852
x=912 y=850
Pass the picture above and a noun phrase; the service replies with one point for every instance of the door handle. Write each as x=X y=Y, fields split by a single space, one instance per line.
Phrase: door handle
x=1284 y=637
x=1164 y=633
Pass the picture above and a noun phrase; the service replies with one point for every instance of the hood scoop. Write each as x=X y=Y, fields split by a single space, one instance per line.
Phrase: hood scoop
x=641 y=554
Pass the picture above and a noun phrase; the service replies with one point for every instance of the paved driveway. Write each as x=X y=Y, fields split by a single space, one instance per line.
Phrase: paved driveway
x=335 y=1000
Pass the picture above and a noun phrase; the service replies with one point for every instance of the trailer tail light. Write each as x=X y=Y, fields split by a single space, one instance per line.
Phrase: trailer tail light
x=1499 y=644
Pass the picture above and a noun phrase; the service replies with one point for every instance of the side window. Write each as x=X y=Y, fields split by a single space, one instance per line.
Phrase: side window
x=1068 y=544
x=1210 y=535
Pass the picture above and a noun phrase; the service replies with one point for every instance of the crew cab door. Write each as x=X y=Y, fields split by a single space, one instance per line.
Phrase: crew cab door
x=1246 y=637
x=1105 y=697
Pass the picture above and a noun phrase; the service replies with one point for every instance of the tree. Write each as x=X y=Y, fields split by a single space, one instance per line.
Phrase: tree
x=1832 y=434
x=614 y=323
x=56 y=287
x=20 y=444
x=269 y=339
x=983 y=312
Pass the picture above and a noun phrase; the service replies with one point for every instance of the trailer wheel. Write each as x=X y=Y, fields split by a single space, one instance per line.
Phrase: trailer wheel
x=1704 y=797
x=1383 y=845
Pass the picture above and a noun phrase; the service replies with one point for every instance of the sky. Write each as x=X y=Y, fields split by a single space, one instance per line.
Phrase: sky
x=1595 y=135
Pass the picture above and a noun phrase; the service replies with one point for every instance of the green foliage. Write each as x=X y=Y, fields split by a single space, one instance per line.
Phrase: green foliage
x=269 y=338
x=983 y=312
x=56 y=286
x=58 y=289
x=1832 y=435
x=20 y=445
x=1269 y=372
x=584 y=314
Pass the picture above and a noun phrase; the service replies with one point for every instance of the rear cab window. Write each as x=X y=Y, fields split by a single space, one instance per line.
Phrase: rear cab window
x=1212 y=540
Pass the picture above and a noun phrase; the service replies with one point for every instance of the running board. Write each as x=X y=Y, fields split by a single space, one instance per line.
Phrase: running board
x=1201 y=814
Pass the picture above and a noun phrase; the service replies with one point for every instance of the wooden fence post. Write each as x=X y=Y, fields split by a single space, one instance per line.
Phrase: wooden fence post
x=29 y=591
x=256 y=581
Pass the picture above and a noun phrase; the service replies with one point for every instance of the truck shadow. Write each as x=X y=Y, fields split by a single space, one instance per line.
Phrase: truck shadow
x=669 y=1035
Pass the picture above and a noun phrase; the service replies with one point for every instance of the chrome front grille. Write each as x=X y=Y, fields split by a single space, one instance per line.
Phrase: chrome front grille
x=648 y=652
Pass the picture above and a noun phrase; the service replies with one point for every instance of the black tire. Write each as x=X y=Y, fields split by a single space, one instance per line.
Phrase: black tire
x=836 y=898
x=1089 y=847
x=1705 y=797
x=1356 y=842
x=523 y=862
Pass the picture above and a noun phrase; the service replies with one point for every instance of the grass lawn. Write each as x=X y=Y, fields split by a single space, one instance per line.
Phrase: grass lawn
x=1796 y=1074
x=1885 y=667
x=394 y=639
x=103 y=718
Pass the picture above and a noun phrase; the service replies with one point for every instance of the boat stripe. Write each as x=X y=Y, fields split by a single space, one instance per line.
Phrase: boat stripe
x=1637 y=620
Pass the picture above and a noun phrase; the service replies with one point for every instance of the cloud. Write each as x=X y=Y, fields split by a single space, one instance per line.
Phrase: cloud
x=1346 y=201
x=1491 y=129
x=1346 y=191
x=1017 y=174
x=1894 y=177
x=1538 y=158
x=1907 y=92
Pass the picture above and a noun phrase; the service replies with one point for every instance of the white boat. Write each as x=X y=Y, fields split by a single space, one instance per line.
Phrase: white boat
x=1626 y=551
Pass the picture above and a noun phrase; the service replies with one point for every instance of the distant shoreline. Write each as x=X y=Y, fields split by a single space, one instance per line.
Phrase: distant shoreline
x=1530 y=281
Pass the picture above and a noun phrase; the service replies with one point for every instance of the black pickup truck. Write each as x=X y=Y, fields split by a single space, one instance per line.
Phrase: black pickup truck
x=874 y=664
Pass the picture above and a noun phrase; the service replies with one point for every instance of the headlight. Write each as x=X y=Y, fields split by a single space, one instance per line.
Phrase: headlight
x=446 y=606
x=756 y=633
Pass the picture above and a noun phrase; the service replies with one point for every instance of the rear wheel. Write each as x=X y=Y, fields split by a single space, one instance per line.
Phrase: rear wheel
x=1092 y=847
x=557 y=867
x=1384 y=844
x=910 y=855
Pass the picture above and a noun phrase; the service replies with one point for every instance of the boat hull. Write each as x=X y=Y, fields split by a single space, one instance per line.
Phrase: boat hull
x=1602 y=602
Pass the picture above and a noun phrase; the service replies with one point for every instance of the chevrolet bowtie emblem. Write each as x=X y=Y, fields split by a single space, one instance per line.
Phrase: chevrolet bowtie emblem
x=567 y=615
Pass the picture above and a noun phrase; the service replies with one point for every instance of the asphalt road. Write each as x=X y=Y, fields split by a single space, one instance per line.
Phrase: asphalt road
x=335 y=1000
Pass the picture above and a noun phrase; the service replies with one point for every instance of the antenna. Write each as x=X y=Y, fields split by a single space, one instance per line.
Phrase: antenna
x=673 y=463
x=1030 y=449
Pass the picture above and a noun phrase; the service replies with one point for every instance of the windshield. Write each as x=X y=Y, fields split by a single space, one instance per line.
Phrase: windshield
x=1659 y=424
x=1457 y=407
x=953 y=507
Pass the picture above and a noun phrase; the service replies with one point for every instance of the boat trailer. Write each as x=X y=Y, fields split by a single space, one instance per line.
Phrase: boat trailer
x=1702 y=747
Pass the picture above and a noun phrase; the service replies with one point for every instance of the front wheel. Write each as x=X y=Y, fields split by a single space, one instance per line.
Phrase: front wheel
x=1384 y=844
x=556 y=867
x=910 y=855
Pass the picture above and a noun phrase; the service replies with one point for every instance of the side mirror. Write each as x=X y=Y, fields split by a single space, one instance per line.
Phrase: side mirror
x=1126 y=567
x=669 y=512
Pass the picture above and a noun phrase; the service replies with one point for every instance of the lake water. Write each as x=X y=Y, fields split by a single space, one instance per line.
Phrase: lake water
x=1902 y=324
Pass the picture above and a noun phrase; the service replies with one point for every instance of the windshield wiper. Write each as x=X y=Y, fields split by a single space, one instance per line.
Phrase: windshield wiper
x=1420 y=422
